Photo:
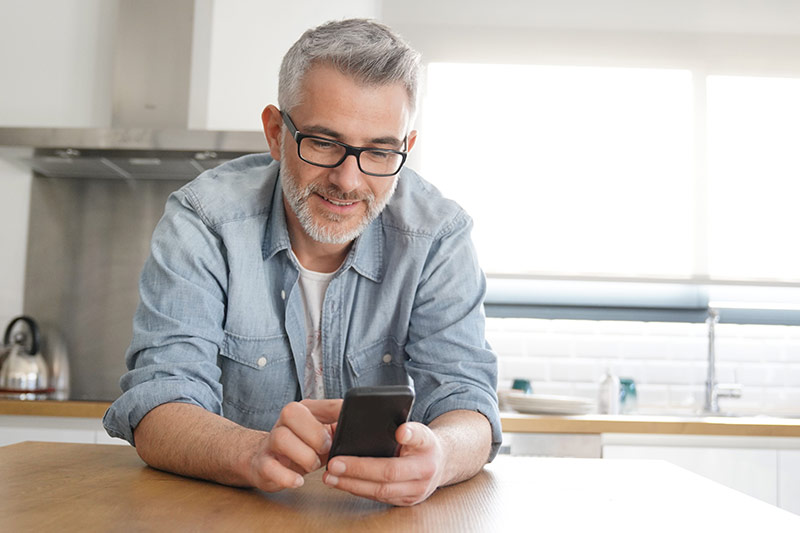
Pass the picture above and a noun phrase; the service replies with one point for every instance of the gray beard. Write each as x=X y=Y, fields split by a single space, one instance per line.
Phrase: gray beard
x=329 y=233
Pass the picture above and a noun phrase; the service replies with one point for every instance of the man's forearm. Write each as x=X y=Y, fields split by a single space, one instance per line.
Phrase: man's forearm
x=467 y=440
x=188 y=440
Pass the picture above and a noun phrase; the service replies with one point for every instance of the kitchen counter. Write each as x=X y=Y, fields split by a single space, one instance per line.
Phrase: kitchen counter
x=664 y=425
x=514 y=422
x=90 y=487
x=68 y=408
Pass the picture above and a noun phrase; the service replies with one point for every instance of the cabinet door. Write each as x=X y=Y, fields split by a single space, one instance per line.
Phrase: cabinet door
x=752 y=471
x=789 y=480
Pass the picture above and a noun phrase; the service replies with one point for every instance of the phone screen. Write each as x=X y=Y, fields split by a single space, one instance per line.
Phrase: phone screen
x=368 y=420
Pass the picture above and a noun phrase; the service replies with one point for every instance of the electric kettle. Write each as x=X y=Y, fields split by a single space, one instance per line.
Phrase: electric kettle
x=24 y=373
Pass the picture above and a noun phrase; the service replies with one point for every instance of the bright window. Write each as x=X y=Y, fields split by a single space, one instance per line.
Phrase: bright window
x=567 y=170
x=754 y=175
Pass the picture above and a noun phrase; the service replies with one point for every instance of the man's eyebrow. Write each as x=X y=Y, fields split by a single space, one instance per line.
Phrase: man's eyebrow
x=327 y=132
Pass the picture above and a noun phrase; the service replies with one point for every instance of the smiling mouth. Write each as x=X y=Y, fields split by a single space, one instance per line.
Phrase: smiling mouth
x=339 y=203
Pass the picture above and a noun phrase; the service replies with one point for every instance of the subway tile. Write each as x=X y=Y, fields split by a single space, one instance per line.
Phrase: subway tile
x=573 y=370
x=629 y=368
x=620 y=327
x=791 y=351
x=575 y=327
x=511 y=368
x=663 y=348
x=782 y=398
x=549 y=345
x=762 y=331
x=593 y=347
x=524 y=325
x=744 y=350
x=675 y=329
x=674 y=373
x=652 y=396
x=727 y=331
x=686 y=397
x=507 y=343
x=554 y=387
x=789 y=375
x=757 y=374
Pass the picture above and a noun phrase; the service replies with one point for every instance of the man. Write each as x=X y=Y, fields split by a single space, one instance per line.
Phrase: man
x=275 y=284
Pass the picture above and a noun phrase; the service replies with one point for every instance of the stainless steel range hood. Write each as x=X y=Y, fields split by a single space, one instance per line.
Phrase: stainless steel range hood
x=149 y=135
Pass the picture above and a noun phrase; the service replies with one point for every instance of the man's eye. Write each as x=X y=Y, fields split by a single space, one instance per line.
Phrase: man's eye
x=377 y=156
x=319 y=144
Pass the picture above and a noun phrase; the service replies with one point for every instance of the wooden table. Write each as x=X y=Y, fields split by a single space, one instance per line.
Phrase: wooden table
x=90 y=487
x=757 y=426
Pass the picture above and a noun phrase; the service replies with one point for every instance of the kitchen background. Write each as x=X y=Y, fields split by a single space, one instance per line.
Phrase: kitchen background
x=72 y=247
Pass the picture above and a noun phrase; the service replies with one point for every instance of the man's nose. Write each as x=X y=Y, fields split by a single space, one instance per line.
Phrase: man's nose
x=347 y=176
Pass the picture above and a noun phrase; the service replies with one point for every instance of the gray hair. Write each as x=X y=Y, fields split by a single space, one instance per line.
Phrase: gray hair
x=368 y=51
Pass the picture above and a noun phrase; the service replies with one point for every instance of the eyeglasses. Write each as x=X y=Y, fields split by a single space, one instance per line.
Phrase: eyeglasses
x=327 y=153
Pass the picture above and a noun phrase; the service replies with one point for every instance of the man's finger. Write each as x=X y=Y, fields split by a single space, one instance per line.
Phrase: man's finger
x=381 y=469
x=402 y=493
x=326 y=411
x=302 y=422
x=413 y=435
x=283 y=442
x=275 y=476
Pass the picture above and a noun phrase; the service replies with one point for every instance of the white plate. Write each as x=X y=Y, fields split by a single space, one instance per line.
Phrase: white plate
x=550 y=404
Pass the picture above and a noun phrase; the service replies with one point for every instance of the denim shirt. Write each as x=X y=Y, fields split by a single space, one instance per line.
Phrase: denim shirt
x=221 y=323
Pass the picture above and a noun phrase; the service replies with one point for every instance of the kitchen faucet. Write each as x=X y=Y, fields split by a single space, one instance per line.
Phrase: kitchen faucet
x=715 y=390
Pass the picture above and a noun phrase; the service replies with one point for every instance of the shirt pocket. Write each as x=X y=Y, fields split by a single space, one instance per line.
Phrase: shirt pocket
x=258 y=379
x=380 y=363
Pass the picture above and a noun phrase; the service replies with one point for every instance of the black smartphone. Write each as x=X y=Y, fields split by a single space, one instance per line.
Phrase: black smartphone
x=369 y=418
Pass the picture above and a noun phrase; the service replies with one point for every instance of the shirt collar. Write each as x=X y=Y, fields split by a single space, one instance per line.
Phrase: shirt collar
x=365 y=256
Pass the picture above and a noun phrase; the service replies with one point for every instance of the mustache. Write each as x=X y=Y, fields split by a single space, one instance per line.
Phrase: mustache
x=334 y=193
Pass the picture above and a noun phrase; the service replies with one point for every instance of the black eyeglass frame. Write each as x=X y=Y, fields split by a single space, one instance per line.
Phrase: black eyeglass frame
x=348 y=149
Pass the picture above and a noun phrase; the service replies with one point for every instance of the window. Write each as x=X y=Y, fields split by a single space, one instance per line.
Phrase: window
x=754 y=174
x=608 y=173
x=567 y=170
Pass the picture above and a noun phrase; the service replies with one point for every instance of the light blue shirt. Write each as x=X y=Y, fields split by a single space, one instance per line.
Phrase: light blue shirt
x=221 y=324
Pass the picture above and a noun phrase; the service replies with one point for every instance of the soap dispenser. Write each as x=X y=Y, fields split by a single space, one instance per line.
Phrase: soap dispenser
x=608 y=396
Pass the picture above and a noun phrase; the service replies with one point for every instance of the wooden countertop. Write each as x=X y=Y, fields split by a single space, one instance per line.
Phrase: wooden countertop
x=664 y=425
x=90 y=487
x=70 y=408
x=514 y=422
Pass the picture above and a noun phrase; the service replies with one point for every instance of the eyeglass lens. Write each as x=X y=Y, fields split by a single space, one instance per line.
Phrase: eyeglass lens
x=320 y=152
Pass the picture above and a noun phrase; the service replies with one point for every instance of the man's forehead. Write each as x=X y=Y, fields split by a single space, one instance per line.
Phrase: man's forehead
x=338 y=105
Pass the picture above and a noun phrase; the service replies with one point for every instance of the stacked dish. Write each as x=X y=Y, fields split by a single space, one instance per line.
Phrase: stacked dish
x=549 y=404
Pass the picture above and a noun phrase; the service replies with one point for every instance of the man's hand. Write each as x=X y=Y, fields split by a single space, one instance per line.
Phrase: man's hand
x=298 y=444
x=404 y=480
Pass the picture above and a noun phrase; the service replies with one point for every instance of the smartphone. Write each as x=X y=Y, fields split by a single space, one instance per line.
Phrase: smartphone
x=368 y=420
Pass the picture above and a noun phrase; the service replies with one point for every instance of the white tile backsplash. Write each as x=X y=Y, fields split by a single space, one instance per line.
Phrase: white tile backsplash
x=667 y=360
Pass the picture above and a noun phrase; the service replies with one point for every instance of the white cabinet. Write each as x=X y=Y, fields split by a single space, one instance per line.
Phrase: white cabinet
x=14 y=429
x=767 y=468
x=63 y=73
x=753 y=472
x=789 y=480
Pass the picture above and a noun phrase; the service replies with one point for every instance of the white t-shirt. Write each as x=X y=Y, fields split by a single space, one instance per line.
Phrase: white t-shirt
x=312 y=288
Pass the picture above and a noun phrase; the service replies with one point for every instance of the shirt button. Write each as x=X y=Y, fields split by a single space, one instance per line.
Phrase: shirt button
x=387 y=358
x=261 y=361
x=283 y=295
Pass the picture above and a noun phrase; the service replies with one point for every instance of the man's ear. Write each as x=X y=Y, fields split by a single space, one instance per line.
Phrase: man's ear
x=273 y=122
x=412 y=138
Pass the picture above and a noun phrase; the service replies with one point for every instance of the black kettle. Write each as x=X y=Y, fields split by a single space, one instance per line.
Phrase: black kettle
x=24 y=373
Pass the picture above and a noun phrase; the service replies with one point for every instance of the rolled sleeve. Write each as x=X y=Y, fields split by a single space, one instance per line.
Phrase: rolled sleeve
x=450 y=361
x=178 y=325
